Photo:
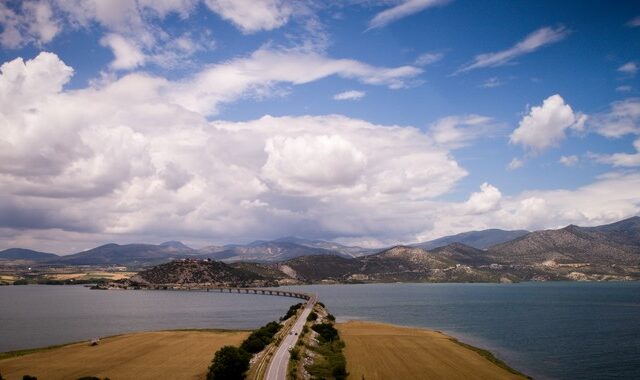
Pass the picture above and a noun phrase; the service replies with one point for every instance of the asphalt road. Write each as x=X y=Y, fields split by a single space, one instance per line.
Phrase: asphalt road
x=280 y=361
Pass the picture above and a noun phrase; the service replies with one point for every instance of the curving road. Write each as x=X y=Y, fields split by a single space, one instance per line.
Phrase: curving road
x=280 y=361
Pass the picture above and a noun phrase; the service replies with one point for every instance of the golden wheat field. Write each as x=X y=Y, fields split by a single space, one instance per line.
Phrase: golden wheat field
x=381 y=351
x=146 y=355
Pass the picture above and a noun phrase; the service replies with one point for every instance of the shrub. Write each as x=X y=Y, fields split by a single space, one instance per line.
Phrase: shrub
x=258 y=339
x=292 y=311
x=326 y=331
x=331 y=317
x=312 y=316
x=29 y=377
x=229 y=363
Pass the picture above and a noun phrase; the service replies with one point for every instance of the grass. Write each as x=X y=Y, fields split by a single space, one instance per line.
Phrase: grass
x=146 y=355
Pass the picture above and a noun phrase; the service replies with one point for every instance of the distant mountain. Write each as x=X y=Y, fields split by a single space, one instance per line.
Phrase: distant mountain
x=328 y=245
x=477 y=239
x=175 y=244
x=128 y=254
x=26 y=254
x=269 y=251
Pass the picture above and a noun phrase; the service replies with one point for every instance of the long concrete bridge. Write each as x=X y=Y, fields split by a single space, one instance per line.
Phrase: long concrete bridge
x=220 y=289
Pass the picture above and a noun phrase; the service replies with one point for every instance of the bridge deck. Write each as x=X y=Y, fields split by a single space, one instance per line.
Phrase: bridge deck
x=260 y=291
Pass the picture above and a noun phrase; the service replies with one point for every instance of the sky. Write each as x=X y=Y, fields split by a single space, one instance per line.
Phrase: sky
x=363 y=122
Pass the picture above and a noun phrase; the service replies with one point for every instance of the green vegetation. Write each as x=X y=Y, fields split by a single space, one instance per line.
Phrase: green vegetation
x=330 y=362
x=29 y=377
x=260 y=338
x=326 y=331
x=489 y=356
x=331 y=317
x=229 y=363
x=292 y=311
x=312 y=316
x=1 y=378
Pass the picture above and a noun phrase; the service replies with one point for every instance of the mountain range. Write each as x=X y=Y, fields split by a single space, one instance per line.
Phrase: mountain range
x=603 y=252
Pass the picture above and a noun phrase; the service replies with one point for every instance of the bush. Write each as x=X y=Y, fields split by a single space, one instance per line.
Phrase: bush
x=292 y=311
x=312 y=316
x=258 y=339
x=326 y=331
x=331 y=317
x=29 y=377
x=229 y=363
x=1 y=378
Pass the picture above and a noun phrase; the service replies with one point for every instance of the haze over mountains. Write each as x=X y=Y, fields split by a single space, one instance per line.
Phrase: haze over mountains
x=604 y=252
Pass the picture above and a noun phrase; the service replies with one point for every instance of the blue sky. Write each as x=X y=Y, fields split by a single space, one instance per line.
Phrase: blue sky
x=366 y=122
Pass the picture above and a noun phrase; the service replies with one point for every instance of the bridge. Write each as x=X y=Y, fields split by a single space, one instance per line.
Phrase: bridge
x=221 y=289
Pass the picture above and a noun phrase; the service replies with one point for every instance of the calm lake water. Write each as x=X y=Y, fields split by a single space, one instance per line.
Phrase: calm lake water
x=546 y=330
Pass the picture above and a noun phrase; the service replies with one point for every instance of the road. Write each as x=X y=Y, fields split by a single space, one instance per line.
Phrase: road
x=280 y=361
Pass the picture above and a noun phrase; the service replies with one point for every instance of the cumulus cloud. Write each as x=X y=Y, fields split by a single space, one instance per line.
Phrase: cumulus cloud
x=624 y=88
x=402 y=10
x=140 y=164
x=487 y=199
x=251 y=16
x=126 y=54
x=568 y=160
x=534 y=41
x=349 y=95
x=629 y=68
x=545 y=125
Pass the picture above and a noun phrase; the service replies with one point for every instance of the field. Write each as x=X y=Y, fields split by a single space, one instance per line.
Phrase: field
x=91 y=274
x=147 y=355
x=380 y=351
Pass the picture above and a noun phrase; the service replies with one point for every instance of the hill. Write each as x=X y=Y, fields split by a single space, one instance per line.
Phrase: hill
x=476 y=239
x=569 y=245
x=26 y=254
x=188 y=271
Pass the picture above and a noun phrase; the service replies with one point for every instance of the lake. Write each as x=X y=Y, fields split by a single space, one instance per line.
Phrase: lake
x=546 y=330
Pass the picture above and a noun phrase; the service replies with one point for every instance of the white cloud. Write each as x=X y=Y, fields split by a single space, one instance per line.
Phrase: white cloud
x=487 y=199
x=34 y=23
x=634 y=22
x=622 y=119
x=306 y=163
x=402 y=10
x=515 y=163
x=126 y=54
x=266 y=68
x=534 y=41
x=629 y=68
x=621 y=159
x=428 y=58
x=251 y=16
x=349 y=95
x=545 y=125
x=458 y=131
x=568 y=160
x=140 y=166
x=624 y=88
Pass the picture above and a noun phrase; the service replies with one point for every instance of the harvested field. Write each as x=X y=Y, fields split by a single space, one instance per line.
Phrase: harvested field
x=381 y=351
x=146 y=355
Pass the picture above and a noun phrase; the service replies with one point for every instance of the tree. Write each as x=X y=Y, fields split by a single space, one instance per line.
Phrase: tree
x=229 y=363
